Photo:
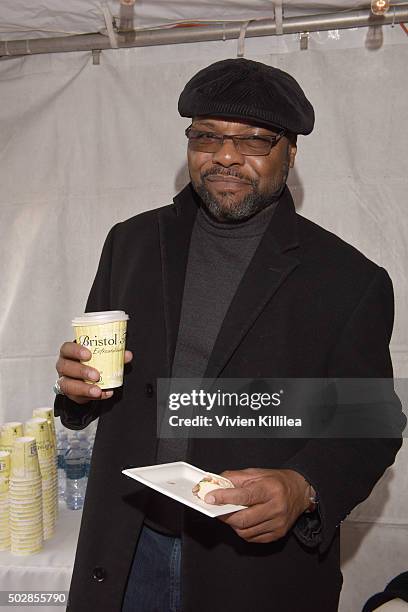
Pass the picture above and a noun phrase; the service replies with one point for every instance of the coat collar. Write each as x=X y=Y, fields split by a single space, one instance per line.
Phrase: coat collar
x=272 y=262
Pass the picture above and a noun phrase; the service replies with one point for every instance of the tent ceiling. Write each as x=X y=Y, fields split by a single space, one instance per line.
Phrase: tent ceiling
x=27 y=19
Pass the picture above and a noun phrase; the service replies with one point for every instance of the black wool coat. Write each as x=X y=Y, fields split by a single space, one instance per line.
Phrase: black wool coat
x=309 y=305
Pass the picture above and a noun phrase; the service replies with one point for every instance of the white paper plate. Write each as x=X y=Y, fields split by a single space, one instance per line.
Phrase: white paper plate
x=176 y=481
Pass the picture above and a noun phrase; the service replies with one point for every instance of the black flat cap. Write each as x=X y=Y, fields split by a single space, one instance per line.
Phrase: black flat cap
x=244 y=89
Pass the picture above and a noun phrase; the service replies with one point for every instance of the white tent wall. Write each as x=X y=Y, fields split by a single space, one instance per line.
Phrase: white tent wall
x=48 y=18
x=83 y=147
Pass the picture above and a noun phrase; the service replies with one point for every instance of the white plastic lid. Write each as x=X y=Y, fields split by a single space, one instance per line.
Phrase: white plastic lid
x=99 y=318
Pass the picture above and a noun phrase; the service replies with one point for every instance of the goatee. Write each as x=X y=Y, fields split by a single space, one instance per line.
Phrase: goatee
x=247 y=207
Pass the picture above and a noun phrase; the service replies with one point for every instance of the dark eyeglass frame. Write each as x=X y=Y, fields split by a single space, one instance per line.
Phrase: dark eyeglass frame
x=238 y=140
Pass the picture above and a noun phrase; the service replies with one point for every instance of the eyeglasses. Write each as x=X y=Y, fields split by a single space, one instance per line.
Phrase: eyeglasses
x=208 y=142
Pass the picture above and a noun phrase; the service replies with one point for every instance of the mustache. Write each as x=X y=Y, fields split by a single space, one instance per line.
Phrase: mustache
x=226 y=172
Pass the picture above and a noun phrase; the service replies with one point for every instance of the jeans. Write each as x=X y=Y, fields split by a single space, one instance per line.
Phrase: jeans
x=154 y=579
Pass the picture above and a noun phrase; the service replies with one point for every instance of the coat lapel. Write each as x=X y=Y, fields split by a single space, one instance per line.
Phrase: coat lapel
x=269 y=267
x=175 y=227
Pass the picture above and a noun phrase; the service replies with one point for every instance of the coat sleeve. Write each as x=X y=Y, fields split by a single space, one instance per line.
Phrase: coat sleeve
x=344 y=471
x=78 y=416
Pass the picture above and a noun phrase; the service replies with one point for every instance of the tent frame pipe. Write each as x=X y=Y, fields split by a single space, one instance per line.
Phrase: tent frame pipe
x=213 y=32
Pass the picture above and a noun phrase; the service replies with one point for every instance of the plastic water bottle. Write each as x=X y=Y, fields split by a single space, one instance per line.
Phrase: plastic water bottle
x=84 y=443
x=75 y=474
x=82 y=436
x=62 y=447
x=88 y=456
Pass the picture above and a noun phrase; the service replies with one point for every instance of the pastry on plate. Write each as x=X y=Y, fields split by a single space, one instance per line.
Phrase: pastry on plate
x=209 y=483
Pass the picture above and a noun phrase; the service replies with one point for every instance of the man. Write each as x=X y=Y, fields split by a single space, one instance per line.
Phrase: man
x=227 y=282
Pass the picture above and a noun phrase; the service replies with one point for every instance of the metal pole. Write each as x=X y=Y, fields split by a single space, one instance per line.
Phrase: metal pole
x=212 y=32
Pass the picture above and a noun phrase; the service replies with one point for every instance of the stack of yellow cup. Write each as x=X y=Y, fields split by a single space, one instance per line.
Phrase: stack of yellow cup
x=48 y=413
x=40 y=430
x=4 y=500
x=9 y=432
x=26 y=521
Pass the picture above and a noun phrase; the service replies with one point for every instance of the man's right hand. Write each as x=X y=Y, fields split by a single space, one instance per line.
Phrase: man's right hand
x=72 y=374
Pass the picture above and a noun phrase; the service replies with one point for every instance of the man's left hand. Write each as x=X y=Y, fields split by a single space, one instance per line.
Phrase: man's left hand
x=275 y=499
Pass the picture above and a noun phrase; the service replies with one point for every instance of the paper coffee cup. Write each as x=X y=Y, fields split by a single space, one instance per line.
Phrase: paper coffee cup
x=4 y=487
x=45 y=413
x=4 y=464
x=39 y=428
x=24 y=462
x=48 y=413
x=9 y=432
x=104 y=335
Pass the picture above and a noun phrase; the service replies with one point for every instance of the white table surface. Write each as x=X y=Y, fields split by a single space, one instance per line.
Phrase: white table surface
x=48 y=570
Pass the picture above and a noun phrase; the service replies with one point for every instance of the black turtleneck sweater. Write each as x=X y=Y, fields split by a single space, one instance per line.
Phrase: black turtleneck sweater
x=218 y=256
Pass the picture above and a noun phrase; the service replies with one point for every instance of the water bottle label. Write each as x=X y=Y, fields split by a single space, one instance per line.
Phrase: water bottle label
x=75 y=472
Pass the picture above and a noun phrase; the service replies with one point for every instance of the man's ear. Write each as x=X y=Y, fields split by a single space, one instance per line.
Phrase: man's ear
x=292 y=154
